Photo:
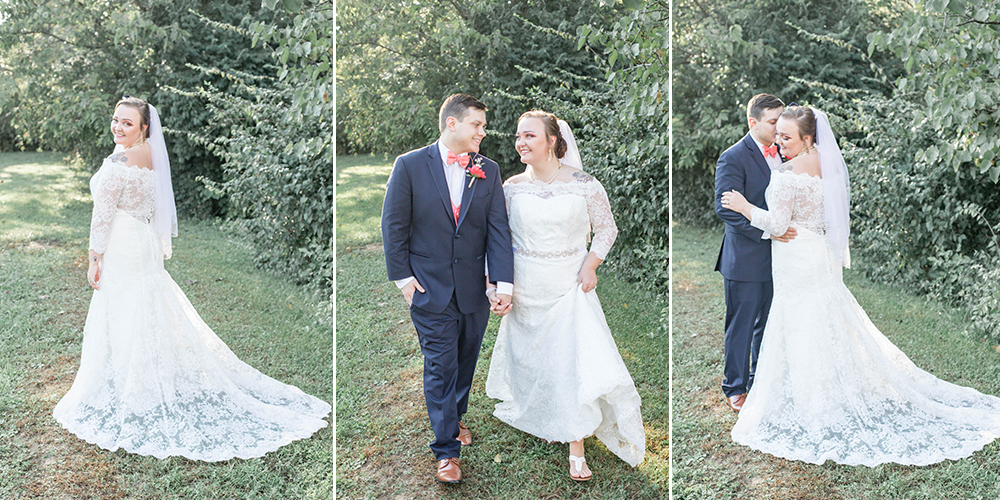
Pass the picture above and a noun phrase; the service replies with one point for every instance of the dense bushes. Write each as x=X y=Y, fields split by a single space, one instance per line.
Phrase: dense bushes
x=926 y=202
x=274 y=133
x=72 y=62
x=726 y=54
x=396 y=65
x=245 y=93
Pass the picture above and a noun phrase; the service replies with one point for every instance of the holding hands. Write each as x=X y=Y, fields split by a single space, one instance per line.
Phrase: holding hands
x=499 y=302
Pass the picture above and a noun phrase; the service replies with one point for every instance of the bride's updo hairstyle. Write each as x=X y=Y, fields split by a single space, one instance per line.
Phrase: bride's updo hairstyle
x=804 y=118
x=141 y=106
x=551 y=129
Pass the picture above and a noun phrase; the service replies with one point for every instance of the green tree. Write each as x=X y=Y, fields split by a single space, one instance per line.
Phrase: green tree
x=727 y=51
x=398 y=60
x=273 y=129
x=924 y=169
x=70 y=62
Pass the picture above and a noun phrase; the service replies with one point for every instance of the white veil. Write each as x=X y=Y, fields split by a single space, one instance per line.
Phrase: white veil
x=836 y=189
x=572 y=156
x=164 y=210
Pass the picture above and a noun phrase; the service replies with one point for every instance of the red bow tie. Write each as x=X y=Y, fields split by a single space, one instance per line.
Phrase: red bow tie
x=462 y=159
x=771 y=150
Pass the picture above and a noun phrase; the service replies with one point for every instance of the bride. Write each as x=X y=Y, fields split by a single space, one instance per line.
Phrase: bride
x=555 y=366
x=829 y=385
x=154 y=379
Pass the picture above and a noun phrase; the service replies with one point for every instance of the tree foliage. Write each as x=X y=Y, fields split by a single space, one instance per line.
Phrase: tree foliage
x=397 y=61
x=245 y=94
x=69 y=63
x=927 y=209
x=273 y=129
x=601 y=68
x=727 y=51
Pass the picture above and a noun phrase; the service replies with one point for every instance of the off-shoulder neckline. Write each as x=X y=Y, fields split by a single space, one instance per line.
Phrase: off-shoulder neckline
x=800 y=174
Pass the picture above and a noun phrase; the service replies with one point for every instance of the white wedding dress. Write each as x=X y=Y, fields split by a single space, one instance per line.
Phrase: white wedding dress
x=555 y=366
x=829 y=385
x=154 y=379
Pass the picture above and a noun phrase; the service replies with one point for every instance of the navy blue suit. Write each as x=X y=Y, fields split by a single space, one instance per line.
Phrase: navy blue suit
x=421 y=239
x=745 y=263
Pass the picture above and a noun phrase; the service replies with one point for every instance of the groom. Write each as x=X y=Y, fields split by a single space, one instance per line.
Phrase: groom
x=444 y=220
x=745 y=256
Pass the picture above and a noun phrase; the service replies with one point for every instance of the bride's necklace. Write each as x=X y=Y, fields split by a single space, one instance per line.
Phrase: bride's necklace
x=556 y=174
x=138 y=142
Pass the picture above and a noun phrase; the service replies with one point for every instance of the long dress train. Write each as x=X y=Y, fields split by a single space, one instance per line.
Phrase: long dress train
x=829 y=385
x=154 y=379
x=555 y=366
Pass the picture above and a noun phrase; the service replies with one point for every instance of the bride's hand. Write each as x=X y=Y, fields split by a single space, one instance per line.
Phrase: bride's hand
x=94 y=269
x=94 y=276
x=733 y=200
x=587 y=279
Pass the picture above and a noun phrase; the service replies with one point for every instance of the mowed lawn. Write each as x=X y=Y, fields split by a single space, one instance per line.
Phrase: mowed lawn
x=45 y=209
x=708 y=465
x=382 y=425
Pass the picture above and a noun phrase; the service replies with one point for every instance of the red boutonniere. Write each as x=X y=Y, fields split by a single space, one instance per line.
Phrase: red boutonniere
x=475 y=171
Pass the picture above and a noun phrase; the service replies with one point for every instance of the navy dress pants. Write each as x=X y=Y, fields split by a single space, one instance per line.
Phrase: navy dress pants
x=450 y=343
x=747 y=305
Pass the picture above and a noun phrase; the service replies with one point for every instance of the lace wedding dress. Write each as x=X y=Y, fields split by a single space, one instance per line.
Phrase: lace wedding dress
x=829 y=385
x=154 y=379
x=555 y=366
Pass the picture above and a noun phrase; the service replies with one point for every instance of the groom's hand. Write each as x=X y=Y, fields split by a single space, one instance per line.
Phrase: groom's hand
x=409 y=289
x=788 y=236
x=503 y=305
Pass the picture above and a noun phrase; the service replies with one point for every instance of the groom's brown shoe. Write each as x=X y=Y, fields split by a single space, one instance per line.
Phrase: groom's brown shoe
x=449 y=471
x=463 y=434
x=736 y=402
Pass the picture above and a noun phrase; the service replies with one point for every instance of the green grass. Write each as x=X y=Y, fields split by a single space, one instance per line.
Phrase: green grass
x=382 y=425
x=44 y=224
x=708 y=465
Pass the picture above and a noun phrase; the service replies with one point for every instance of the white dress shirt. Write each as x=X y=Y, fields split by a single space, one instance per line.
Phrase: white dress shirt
x=773 y=162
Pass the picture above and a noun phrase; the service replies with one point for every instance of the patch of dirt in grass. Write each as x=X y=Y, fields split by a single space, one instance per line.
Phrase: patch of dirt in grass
x=62 y=465
x=397 y=458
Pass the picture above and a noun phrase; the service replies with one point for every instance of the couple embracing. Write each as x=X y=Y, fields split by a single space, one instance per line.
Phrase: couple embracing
x=809 y=375
x=459 y=244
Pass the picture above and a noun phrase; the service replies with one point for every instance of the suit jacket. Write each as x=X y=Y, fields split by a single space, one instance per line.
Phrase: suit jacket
x=421 y=238
x=744 y=256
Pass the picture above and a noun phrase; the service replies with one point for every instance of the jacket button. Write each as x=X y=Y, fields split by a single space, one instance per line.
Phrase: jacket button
x=458 y=236
x=456 y=261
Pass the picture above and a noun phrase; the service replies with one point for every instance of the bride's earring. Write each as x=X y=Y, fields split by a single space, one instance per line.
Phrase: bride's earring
x=550 y=154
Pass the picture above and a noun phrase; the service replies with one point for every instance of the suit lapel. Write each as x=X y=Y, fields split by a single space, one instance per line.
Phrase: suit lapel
x=757 y=156
x=436 y=171
x=467 y=192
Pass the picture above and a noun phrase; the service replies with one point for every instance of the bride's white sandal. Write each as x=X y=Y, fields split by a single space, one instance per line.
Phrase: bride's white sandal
x=578 y=461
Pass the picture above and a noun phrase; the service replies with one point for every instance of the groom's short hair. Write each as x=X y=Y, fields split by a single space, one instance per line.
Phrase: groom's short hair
x=761 y=102
x=457 y=105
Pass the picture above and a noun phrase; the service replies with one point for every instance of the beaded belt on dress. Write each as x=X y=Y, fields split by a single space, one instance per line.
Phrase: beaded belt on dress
x=549 y=255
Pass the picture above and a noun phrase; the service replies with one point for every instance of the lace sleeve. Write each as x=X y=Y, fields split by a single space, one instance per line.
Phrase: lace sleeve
x=106 y=193
x=601 y=220
x=780 y=199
